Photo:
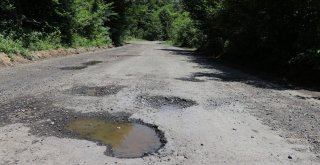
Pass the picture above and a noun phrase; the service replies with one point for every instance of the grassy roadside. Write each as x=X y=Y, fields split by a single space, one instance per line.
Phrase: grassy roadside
x=35 y=43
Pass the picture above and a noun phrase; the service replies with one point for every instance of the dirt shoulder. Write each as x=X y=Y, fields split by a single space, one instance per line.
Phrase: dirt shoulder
x=6 y=61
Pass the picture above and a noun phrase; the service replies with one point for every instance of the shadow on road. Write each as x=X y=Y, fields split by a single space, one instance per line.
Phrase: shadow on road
x=230 y=73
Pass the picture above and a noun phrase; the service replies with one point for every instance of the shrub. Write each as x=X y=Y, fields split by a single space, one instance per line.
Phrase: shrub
x=184 y=32
x=11 y=47
x=41 y=41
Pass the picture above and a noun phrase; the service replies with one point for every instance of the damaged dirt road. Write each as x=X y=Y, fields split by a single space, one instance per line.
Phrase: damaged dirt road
x=146 y=103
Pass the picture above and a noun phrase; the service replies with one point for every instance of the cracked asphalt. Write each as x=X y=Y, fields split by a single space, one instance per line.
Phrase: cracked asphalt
x=208 y=113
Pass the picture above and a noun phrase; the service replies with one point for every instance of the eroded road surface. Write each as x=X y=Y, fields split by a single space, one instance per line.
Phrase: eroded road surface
x=146 y=103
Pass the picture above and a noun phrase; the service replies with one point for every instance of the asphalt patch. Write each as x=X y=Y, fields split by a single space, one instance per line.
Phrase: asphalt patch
x=167 y=102
x=95 y=91
x=127 y=138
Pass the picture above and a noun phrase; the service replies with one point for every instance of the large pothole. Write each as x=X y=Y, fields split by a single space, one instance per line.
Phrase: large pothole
x=126 y=139
x=190 y=79
x=123 y=138
x=95 y=91
x=167 y=102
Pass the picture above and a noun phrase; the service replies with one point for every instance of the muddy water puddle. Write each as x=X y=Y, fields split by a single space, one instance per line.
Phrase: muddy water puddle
x=95 y=91
x=128 y=140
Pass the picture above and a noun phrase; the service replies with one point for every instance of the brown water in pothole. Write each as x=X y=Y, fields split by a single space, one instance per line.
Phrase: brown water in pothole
x=128 y=140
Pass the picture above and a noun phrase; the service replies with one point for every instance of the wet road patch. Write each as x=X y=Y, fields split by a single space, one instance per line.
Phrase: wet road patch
x=127 y=139
x=123 y=137
x=167 y=102
x=74 y=67
x=90 y=63
x=95 y=91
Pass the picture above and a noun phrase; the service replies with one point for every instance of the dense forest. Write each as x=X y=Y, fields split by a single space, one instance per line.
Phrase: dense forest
x=277 y=36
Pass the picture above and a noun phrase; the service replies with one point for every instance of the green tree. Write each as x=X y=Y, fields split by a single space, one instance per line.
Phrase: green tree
x=261 y=33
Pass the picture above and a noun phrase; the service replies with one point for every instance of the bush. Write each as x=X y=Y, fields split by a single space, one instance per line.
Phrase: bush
x=11 y=47
x=184 y=32
x=150 y=20
x=272 y=35
x=81 y=41
x=41 y=41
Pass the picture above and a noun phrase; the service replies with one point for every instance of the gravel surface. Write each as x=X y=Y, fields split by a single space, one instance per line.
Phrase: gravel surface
x=205 y=112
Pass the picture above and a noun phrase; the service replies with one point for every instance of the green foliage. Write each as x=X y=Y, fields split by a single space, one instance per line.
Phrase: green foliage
x=282 y=34
x=10 y=46
x=117 y=20
x=151 y=20
x=166 y=17
x=88 y=23
x=50 y=24
x=39 y=41
x=184 y=32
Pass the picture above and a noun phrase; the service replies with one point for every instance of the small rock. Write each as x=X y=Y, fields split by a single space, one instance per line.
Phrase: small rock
x=52 y=123
x=289 y=157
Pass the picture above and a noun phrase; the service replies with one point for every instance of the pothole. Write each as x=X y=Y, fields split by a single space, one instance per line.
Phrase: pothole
x=305 y=98
x=127 y=139
x=74 y=67
x=167 y=102
x=123 y=138
x=191 y=79
x=95 y=91
x=89 y=63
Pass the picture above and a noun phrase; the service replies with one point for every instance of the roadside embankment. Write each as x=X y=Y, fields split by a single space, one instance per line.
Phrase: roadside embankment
x=7 y=61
